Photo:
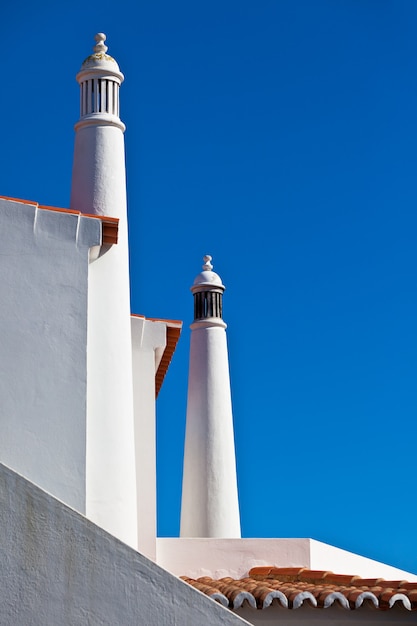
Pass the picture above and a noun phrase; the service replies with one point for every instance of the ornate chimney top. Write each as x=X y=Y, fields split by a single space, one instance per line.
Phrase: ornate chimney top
x=99 y=79
x=207 y=279
x=99 y=60
x=208 y=292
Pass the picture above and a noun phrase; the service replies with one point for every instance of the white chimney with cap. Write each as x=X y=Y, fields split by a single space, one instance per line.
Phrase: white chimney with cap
x=210 y=506
x=99 y=187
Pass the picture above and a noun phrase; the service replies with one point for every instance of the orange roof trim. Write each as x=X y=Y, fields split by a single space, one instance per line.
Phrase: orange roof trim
x=174 y=328
x=110 y=225
x=173 y=335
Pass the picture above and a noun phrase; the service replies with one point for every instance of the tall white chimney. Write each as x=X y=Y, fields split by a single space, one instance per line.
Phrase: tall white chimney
x=99 y=187
x=210 y=506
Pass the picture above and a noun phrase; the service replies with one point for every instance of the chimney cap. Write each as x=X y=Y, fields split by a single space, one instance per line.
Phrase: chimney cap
x=99 y=60
x=207 y=278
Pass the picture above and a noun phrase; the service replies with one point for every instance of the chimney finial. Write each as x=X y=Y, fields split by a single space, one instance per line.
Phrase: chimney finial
x=207 y=265
x=100 y=47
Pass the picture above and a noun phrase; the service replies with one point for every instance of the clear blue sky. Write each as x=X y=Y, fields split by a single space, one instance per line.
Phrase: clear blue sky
x=281 y=138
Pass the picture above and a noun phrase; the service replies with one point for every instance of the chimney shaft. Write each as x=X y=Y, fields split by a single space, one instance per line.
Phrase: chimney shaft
x=210 y=506
x=99 y=187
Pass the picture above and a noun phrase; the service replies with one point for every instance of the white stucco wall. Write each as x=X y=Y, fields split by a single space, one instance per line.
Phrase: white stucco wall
x=43 y=326
x=148 y=342
x=196 y=557
x=326 y=557
x=217 y=558
x=58 y=568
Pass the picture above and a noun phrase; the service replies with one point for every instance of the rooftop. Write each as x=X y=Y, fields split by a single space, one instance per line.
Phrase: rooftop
x=291 y=587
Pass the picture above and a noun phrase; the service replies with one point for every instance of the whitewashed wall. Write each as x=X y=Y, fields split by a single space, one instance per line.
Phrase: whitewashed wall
x=216 y=557
x=326 y=557
x=148 y=342
x=43 y=330
x=196 y=557
x=58 y=568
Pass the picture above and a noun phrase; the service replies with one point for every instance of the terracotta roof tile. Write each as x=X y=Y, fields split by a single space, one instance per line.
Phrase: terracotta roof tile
x=291 y=587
